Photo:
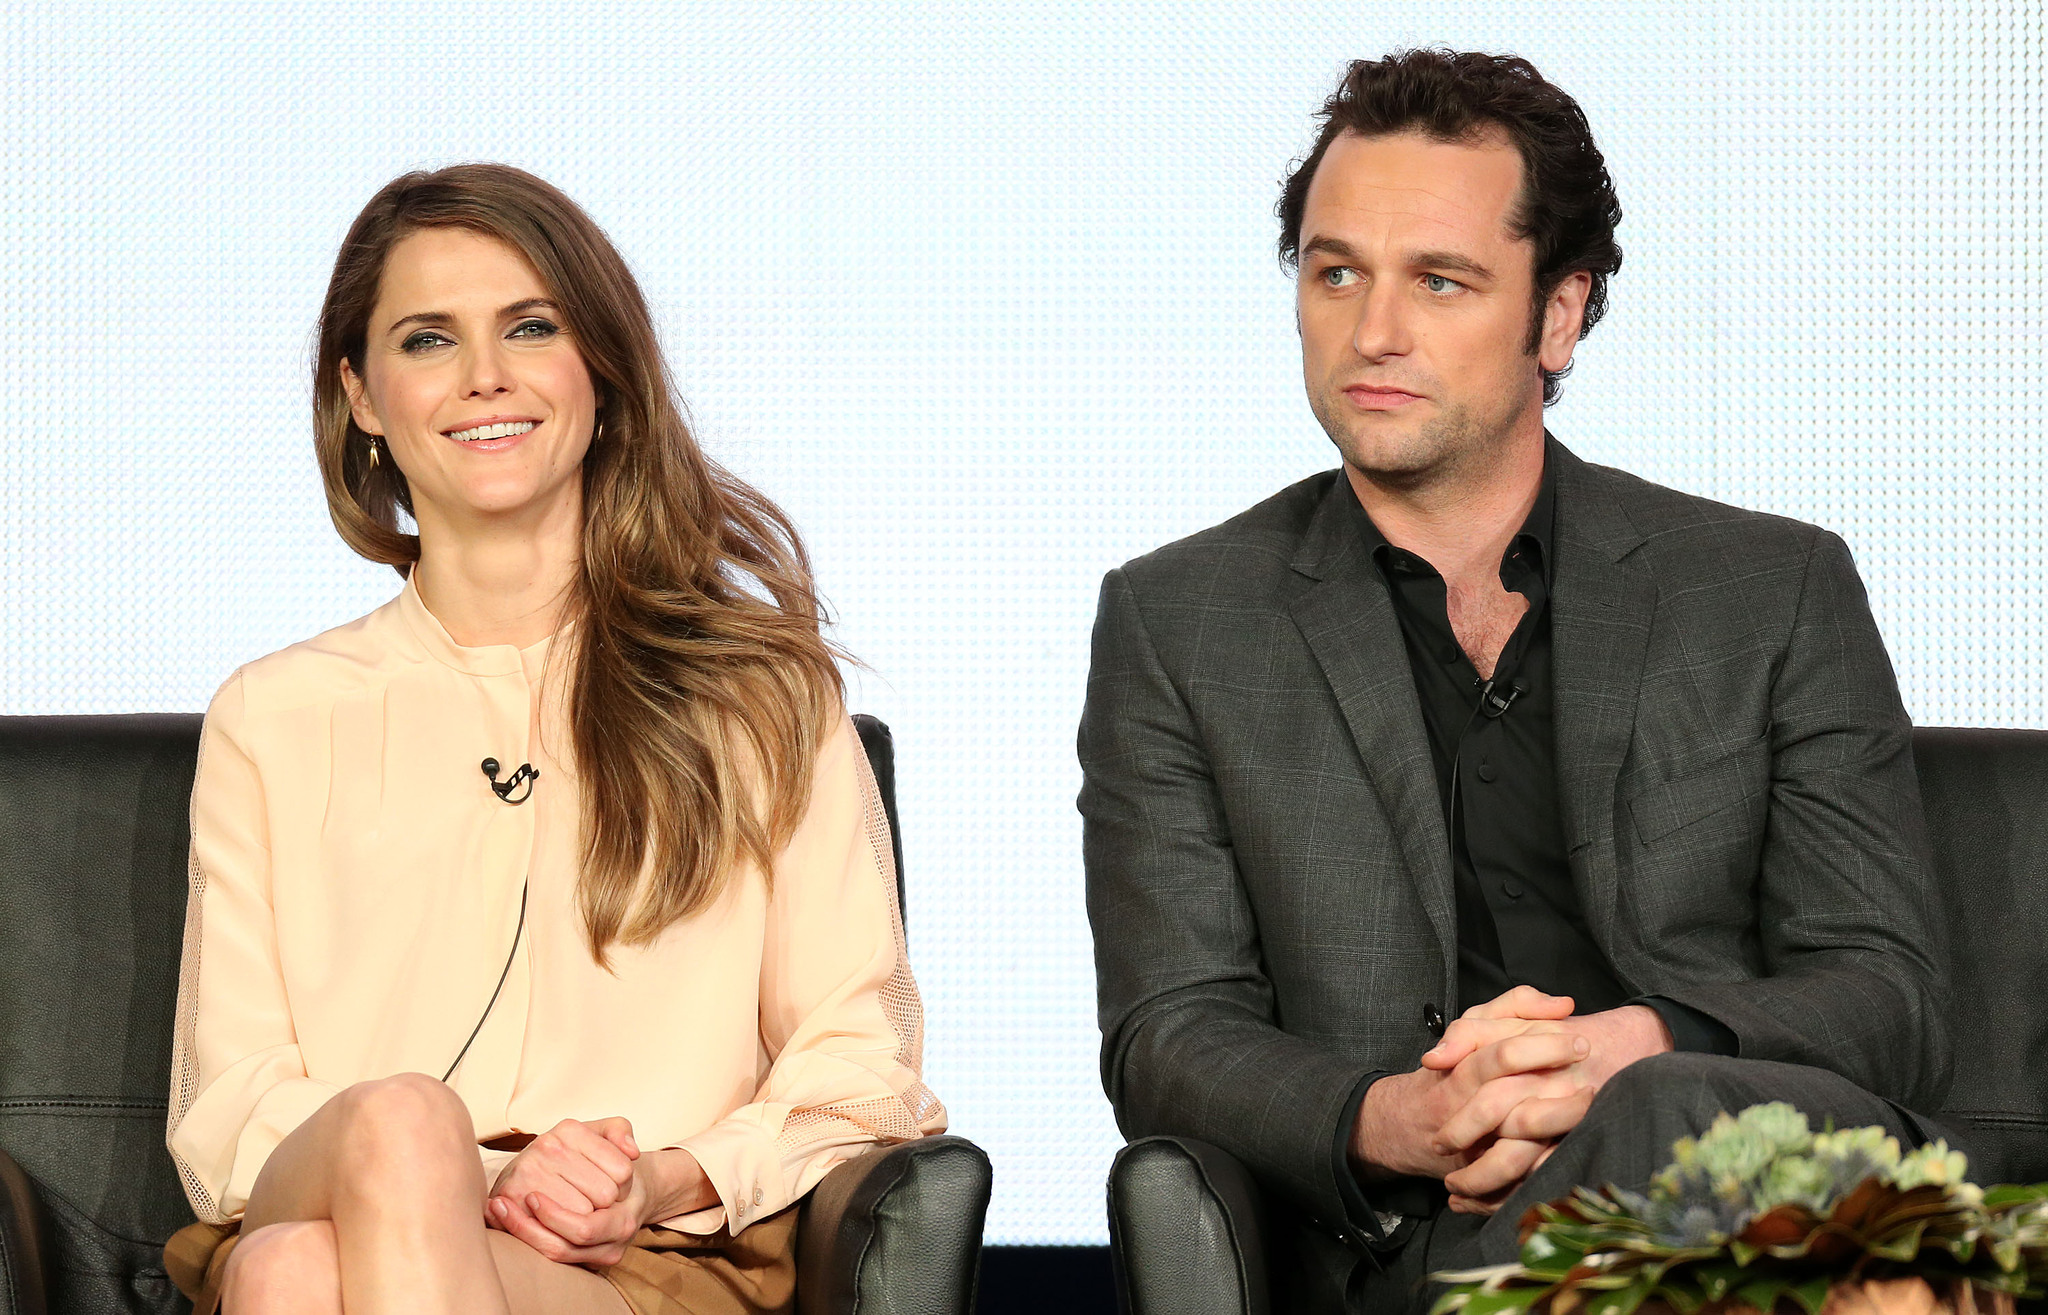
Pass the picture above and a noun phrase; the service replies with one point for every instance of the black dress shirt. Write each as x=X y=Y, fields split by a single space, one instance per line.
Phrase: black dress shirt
x=1519 y=916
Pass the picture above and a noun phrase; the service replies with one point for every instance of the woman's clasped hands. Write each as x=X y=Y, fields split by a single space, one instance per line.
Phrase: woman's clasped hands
x=579 y=1192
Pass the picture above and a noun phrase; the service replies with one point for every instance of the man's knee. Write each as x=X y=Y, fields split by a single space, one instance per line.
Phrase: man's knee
x=284 y=1268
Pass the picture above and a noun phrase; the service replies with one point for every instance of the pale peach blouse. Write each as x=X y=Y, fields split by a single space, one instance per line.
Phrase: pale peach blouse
x=355 y=890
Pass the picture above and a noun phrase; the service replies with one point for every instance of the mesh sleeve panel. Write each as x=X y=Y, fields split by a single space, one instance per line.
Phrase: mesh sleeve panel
x=886 y=1118
x=184 y=1061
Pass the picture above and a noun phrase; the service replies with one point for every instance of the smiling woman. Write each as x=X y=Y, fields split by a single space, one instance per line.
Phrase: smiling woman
x=659 y=971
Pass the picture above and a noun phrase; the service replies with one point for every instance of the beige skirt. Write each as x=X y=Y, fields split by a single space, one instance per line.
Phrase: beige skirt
x=663 y=1273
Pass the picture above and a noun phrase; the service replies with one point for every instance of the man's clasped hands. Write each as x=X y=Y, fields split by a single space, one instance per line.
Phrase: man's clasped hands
x=578 y=1192
x=1503 y=1084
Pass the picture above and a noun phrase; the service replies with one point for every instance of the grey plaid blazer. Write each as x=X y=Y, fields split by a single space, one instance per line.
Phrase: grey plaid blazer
x=1269 y=880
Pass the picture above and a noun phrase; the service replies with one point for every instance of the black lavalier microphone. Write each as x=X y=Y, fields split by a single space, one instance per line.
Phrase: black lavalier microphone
x=526 y=776
x=1494 y=703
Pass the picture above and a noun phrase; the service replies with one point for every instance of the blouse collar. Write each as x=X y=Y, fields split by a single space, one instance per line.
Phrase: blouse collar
x=484 y=660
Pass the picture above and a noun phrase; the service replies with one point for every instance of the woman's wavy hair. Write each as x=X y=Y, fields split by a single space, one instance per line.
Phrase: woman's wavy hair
x=701 y=684
x=1568 y=210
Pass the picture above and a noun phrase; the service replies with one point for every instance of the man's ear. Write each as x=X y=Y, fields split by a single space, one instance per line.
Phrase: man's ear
x=1563 y=314
x=359 y=406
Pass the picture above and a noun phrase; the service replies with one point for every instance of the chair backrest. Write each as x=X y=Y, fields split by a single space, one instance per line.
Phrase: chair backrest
x=93 y=851
x=93 y=817
x=1986 y=793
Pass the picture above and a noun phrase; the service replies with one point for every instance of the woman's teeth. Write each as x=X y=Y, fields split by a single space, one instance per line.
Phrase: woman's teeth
x=505 y=429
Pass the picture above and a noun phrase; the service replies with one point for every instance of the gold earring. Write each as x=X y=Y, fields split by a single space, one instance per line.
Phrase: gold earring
x=373 y=452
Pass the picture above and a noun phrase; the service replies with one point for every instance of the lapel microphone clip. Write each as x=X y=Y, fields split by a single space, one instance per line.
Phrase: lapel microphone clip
x=1491 y=701
x=526 y=776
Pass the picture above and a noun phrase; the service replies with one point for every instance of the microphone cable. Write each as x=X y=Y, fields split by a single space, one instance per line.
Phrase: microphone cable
x=517 y=932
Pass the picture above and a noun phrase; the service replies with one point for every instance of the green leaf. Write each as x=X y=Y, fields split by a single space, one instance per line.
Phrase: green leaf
x=1763 y=1293
x=1717 y=1280
x=1743 y=1252
x=1622 y=1301
x=1504 y=1299
x=1812 y=1294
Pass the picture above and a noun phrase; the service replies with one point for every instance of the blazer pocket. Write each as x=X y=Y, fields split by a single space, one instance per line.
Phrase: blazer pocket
x=1724 y=783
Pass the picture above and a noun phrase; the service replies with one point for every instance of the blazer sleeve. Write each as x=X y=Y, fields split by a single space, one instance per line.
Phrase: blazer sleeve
x=840 y=1013
x=1846 y=896
x=238 y=1082
x=1190 y=1042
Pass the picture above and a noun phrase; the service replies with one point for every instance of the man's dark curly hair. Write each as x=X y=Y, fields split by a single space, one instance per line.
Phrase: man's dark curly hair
x=1568 y=208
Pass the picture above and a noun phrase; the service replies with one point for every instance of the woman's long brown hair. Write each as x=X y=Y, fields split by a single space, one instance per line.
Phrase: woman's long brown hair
x=701 y=685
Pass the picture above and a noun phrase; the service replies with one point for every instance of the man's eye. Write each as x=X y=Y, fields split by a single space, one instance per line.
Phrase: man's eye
x=1438 y=283
x=533 y=329
x=1340 y=276
x=422 y=341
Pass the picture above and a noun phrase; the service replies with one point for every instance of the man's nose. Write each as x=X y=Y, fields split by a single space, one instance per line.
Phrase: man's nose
x=1382 y=328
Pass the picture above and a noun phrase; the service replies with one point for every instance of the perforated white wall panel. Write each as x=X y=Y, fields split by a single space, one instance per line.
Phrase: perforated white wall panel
x=986 y=296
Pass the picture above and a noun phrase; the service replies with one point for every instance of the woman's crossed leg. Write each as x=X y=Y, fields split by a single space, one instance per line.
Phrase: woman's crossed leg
x=375 y=1204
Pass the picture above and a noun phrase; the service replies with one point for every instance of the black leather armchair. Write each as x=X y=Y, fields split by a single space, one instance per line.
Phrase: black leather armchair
x=1185 y=1218
x=93 y=841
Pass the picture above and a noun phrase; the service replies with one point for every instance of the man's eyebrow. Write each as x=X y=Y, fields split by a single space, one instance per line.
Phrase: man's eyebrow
x=1332 y=246
x=1447 y=261
x=441 y=318
x=1451 y=261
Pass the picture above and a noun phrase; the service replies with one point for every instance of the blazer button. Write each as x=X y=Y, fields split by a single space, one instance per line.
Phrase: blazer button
x=1433 y=1019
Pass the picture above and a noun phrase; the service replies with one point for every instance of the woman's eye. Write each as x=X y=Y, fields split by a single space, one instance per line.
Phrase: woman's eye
x=421 y=341
x=533 y=329
x=1438 y=283
x=1340 y=276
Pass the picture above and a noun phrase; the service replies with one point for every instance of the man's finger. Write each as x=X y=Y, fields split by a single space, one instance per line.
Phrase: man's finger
x=1522 y=1002
x=1546 y=1118
x=1526 y=1052
x=1484 y=1113
x=1505 y=1163
x=1470 y=1033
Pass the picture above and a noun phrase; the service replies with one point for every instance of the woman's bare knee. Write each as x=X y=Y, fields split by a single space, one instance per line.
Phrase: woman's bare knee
x=404 y=1128
x=284 y=1268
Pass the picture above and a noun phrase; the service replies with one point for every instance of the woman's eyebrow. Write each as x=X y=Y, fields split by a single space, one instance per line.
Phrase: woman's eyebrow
x=441 y=318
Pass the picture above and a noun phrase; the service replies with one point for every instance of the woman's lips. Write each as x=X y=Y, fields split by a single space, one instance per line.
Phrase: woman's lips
x=1380 y=399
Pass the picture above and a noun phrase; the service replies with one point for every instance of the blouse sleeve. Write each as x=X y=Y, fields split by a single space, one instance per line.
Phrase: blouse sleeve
x=840 y=1013
x=238 y=1083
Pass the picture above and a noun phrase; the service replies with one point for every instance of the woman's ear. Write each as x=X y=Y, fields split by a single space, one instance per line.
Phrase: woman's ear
x=359 y=406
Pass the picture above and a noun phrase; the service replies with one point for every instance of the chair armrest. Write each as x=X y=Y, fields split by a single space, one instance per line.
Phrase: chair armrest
x=1186 y=1230
x=24 y=1263
x=895 y=1231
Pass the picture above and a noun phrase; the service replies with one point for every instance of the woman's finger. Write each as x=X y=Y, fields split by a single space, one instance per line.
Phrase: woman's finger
x=617 y=1130
x=602 y=1153
x=586 y=1232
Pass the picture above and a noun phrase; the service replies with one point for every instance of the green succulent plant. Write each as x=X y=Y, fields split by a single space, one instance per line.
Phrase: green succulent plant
x=1760 y=1211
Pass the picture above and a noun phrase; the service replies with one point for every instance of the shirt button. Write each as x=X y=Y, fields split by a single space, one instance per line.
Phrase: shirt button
x=1486 y=773
x=1511 y=889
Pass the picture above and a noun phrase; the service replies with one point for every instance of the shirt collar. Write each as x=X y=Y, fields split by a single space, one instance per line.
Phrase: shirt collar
x=484 y=660
x=1538 y=530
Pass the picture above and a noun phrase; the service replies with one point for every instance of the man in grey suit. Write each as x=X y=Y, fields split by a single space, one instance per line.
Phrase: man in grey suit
x=1615 y=778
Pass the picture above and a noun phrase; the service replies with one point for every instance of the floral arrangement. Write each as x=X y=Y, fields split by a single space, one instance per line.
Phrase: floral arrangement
x=1762 y=1213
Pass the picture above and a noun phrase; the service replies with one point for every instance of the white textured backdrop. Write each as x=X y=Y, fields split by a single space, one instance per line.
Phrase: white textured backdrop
x=985 y=295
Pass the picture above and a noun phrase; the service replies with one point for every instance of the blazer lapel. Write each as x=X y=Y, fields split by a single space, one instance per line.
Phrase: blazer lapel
x=1601 y=609
x=1349 y=625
